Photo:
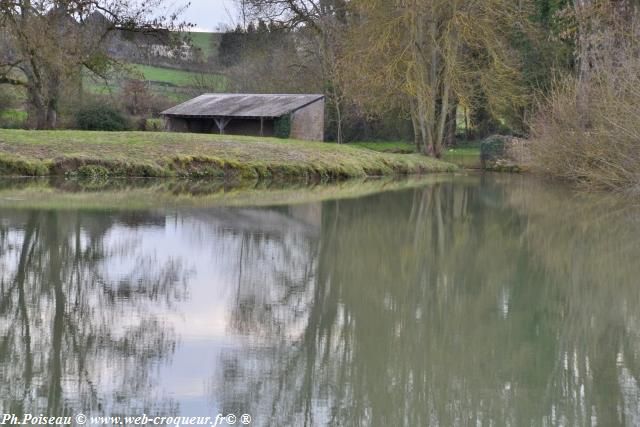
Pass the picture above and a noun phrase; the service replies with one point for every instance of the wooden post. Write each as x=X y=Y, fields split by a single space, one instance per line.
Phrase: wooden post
x=261 y=126
x=222 y=123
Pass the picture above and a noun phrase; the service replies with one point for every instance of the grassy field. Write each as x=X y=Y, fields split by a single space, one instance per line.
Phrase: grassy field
x=175 y=77
x=176 y=85
x=148 y=154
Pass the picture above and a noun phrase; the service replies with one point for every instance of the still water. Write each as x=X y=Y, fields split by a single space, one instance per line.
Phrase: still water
x=462 y=300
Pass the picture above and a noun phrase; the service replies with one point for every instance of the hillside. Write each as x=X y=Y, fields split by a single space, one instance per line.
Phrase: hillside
x=175 y=84
x=207 y=43
x=174 y=78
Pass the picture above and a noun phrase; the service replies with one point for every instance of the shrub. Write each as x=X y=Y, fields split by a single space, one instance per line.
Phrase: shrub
x=282 y=127
x=144 y=124
x=101 y=117
x=591 y=135
x=7 y=98
x=13 y=119
x=94 y=172
x=17 y=166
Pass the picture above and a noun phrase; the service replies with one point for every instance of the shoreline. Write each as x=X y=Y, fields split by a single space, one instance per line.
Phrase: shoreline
x=168 y=155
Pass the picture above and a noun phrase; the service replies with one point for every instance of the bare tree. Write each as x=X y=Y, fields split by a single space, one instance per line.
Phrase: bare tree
x=325 y=19
x=48 y=42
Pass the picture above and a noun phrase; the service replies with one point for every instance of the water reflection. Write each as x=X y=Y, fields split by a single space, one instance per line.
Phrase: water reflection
x=470 y=301
x=461 y=303
x=79 y=326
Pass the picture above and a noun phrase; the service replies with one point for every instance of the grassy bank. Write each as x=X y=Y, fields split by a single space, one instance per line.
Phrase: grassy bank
x=147 y=154
x=465 y=155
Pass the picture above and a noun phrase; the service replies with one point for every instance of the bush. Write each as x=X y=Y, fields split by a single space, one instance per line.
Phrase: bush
x=155 y=125
x=591 y=135
x=282 y=127
x=144 y=124
x=101 y=117
x=94 y=172
x=13 y=119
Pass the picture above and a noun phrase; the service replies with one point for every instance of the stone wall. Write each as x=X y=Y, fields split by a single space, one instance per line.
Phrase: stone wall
x=308 y=123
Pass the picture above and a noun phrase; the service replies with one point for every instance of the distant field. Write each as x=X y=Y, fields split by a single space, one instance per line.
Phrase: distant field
x=208 y=43
x=177 y=85
x=175 y=77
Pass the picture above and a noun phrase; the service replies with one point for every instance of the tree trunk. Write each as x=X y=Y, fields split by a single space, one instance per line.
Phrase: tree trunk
x=450 y=134
x=416 y=126
x=43 y=97
x=52 y=116
x=39 y=110
x=339 y=137
x=467 y=131
x=442 y=120
x=422 y=123
x=53 y=89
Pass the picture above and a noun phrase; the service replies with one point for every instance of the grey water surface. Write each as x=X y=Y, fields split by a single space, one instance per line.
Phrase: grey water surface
x=468 y=300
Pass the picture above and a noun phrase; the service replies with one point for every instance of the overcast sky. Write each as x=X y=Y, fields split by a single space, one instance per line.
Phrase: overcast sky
x=207 y=15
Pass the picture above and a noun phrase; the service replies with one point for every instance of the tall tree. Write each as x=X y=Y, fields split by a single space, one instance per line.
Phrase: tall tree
x=48 y=42
x=325 y=20
x=607 y=34
x=435 y=53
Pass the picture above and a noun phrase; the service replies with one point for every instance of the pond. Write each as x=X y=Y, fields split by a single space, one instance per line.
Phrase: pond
x=452 y=300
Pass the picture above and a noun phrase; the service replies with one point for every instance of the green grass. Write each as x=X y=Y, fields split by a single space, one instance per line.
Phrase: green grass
x=469 y=151
x=16 y=115
x=154 y=154
x=174 y=77
x=387 y=146
x=466 y=155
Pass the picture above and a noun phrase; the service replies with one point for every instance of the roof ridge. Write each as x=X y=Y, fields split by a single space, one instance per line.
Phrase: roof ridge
x=259 y=94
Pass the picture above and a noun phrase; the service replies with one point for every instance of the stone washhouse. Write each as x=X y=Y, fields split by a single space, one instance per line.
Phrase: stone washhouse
x=250 y=114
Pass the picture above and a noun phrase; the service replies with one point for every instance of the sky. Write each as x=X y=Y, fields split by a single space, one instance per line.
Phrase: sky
x=208 y=15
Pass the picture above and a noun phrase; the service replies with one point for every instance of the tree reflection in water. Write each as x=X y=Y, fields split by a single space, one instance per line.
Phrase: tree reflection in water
x=76 y=334
x=462 y=303
x=468 y=301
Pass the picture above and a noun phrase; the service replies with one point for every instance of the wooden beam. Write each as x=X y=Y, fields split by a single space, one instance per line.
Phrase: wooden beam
x=222 y=123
